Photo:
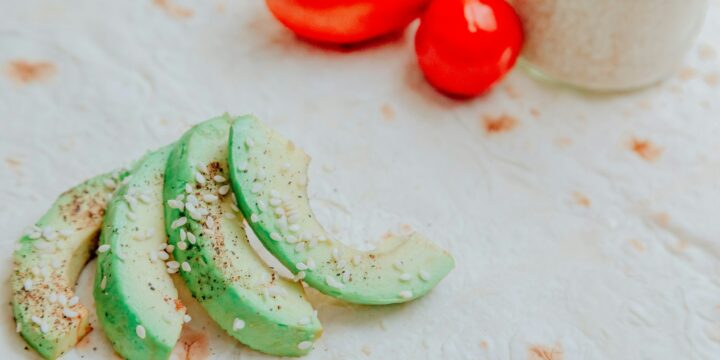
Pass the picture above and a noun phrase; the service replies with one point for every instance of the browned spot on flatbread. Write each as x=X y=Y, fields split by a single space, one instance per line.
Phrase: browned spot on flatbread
x=541 y=352
x=366 y=350
x=484 y=344
x=638 y=245
x=511 y=92
x=581 y=199
x=192 y=345
x=563 y=142
x=498 y=124
x=535 y=113
x=706 y=52
x=14 y=164
x=85 y=342
x=687 y=73
x=644 y=104
x=662 y=219
x=173 y=9
x=712 y=79
x=388 y=112
x=25 y=72
x=646 y=149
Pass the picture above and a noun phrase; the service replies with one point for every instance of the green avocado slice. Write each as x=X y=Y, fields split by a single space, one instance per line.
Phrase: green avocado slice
x=269 y=177
x=238 y=290
x=48 y=261
x=137 y=303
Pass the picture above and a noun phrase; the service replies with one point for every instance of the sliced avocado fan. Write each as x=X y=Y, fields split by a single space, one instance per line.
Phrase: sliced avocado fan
x=136 y=301
x=269 y=177
x=238 y=290
x=48 y=261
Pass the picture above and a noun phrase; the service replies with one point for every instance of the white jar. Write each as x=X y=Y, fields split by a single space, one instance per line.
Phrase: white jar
x=608 y=45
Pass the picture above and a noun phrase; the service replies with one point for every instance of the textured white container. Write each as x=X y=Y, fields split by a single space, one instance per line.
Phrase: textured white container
x=608 y=44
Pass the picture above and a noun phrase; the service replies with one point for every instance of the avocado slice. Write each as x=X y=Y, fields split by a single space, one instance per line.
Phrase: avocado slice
x=137 y=303
x=238 y=290
x=48 y=261
x=269 y=177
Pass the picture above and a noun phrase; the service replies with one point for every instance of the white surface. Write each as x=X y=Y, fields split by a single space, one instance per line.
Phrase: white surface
x=613 y=280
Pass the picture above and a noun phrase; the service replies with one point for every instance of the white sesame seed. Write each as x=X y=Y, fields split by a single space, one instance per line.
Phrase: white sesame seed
x=183 y=234
x=49 y=233
x=219 y=179
x=131 y=216
x=186 y=266
x=254 y=218
x=261 y=175
x=210 y=222
x=200 y=178
x=275 y=236
x=73 y=301
x=275 y=202
x=424 y=275
x=195 y=215
x=110 y=184
x=168 y=318
x=300 y=247
x=172 y=270
x=304 y=345
x=62 y=300
x=103 y=283
x=249 y=142
x=282 y=222
x=52 y=298
x=69 y=313
x=178 y=223
x=45 y=272
x=180 y=197
x=35 y=235
x=356 y=260
x=261 y=205
x=36 y=320
x=187 y=318
x=173 y=264
x=405 y=277
x=65 y=232
x=279 y=211
x=311 y=264
x=406 y=294
x=223 y=190
x=209 y=198
x=188 y=188
x=202 y=167
x=229 y=215
x=234 y=207
x=341 y=263
x=191 y=238
x=35 y=270
x=291 y=239
x=162 y=255
x=140 y=331
x=257 y=187
x=153 y=256
x=299 y=276
x=332 y=282
x=305 y=320
x=286 y=166
x=242 y=166
x=346 y=277
x=398 y=265
x=238 y=324
x=336 y=254
x=103 y=248
x=176 y=204
x=28 y=285
x=293 y=218
x=301 y=266
x=120 y=255
x=145 y=198
x=44 y=328
x=169 y=249
x=18 y=327
x=294 y=228
x=182 y=245
x=162 y=247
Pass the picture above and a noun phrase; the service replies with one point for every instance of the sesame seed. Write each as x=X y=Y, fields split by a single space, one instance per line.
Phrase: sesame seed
x=261 y=175
x=238 y=324
x=261 y=205
x=173 y=264
x=200 y=178
x=210 y=222
x=254 y=218
x=52 y=298
x=202 y=167
x=44 y=328
x=62 y=299
x=242 y=166
x=301 y=266
x=234 y=207
x=191 y=238
x=162 y=255
x=172 y=270
x=304 y=345
x=131 y=216
x=257 y=187
x=405 y=277
x=45 y=272
x=249 y=142
x=336 y=254
x=55 y=263
x=145 y=198
x=300 y=247
x=103 y=248
x=169 y=248
x=275 y=236
x=219 y=179
x=28 y=285
x=356 y=260
x=286 y=166
x=305 y=320
x=229 y=215
x=209 y=198
x=73 y=301
x=346 y=277
x=275 y=202
x=406 y=294
x=332 y=282
x=188 y=188
x=35 y=270
x=103 y=283
x=293 y=218
x=195 y=215
x=178 y=223
x=398 y=265
x=279 y=211
x=182 y=245
x=35 y=235
x=341 y=263
x=18 y=327
x=176 y=204
x=36 y=320
x=294 y=228
x=187 y=318
x=186 y=266
x=110 y=184
x=49 y=233
x=140 y=331
x=183 y=234
x=424 y=275
x=69 y=313
x=65 y=232
x=311 y=264
x=153 y=256
x=224 y=189
x=299 y=276
x=291 y=239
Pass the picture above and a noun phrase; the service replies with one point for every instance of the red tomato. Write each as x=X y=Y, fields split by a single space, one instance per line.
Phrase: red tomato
x=345 y=21
x=465 y=46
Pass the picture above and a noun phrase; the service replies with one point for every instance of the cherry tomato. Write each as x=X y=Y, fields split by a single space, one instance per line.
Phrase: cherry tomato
x=465 y=46
x=345 y=21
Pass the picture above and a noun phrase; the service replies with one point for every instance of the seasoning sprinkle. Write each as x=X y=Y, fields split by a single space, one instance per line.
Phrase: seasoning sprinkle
x=103 y=248
x=186 y=266
x=238 y=324
x=178 y=223
x=424 y=275
x=304 y=345
x=406 y=294
x=140 y=331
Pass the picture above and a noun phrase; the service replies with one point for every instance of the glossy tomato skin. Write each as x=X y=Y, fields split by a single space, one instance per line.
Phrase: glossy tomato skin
x=345 y=21
x=465 y=46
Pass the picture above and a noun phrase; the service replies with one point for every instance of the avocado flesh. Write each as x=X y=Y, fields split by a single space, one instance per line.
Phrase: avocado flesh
x=269 y=177
x=132 y=285
x=49 y=260
x=238 y=290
